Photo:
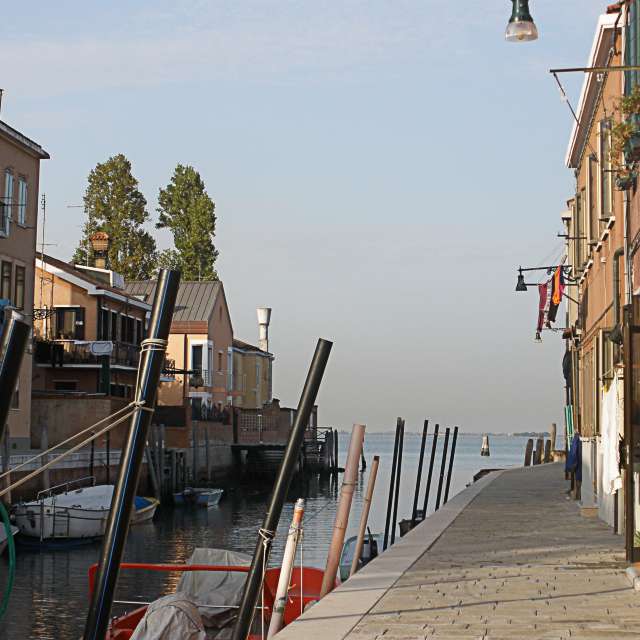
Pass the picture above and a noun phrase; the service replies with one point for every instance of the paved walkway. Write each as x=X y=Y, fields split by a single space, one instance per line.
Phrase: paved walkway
x=518 y=561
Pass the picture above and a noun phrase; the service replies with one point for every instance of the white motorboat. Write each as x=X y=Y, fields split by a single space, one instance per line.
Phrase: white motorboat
x=3 y=536
x=79 y=515
x=201 y=497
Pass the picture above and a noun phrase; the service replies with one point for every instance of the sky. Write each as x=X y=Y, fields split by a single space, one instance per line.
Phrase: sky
x=380 y=169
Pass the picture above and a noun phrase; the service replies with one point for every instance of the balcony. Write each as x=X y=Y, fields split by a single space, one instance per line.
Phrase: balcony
x=68 y=353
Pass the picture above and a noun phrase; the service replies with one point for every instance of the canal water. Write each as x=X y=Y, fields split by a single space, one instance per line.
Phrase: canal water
x=50 y=595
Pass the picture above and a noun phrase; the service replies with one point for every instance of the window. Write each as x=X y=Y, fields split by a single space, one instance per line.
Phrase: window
x=579 y=229
x=22 y=201
x=19 y=289
x=114 y=326
x=592 y=209
x=65 y=385
x=7 y=201
x=139 y=335
x=196 y=358
x=103 y=324
x=69 y=323
x=606 y=208
x=117 y=390
x=220 y=359
x=5 y=280
x=127 y=329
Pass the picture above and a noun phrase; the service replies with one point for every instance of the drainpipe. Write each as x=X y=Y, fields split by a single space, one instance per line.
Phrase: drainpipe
x=616 y=333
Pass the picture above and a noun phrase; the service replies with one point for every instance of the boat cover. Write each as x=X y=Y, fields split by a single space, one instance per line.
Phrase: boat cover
x=174 y=616
x=217 y=588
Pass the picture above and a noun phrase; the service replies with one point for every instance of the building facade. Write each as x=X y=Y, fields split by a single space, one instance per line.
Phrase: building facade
x=19 y=185
x=201 y=343
x=252 y=376
x=87 y=339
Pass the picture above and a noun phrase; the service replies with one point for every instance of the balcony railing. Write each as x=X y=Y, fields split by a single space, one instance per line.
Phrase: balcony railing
x=76 y=352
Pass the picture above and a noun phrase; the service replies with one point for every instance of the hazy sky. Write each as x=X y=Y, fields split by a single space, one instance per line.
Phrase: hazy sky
x=380 y=169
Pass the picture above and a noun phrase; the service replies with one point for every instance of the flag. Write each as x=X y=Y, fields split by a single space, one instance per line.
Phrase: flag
x=557 y=289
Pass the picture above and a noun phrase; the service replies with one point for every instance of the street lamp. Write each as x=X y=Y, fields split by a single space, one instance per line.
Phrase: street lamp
x=521 y=285
x=521 y=27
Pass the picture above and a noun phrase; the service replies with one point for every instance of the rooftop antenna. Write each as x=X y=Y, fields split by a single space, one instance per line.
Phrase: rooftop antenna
x=1 y=92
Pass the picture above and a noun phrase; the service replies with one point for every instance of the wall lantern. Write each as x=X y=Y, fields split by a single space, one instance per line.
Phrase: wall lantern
x=521 y=285
x=521 y=27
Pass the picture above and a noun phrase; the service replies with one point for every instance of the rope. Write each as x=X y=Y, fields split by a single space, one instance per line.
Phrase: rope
x=11 y=545
x=44 y=467
x=267 y=536
x=73 y=437
x=147 y=346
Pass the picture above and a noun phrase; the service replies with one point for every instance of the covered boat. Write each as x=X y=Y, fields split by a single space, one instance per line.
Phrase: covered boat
x=212 y=581
x=371 y=548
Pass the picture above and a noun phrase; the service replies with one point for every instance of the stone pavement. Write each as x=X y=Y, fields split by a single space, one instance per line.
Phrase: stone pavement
x=513 y=559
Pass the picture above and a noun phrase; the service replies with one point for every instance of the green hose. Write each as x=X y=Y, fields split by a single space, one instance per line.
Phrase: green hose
x=12 y=559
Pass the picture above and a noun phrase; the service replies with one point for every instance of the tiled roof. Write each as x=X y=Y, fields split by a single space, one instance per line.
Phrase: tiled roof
x=195 y=300
x=245 y=346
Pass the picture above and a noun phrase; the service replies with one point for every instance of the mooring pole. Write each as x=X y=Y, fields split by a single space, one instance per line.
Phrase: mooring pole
x=281 y=487
x=392 y=484
x=452 y=455
x=151 y=362
x=364 y=516
x=431 y=462
x=397 y=490
x=335 y=451
x=442 y=466
x=349 y=480
x=108 y=447
x=528 y=452
x=12 y=347
x=414 y=512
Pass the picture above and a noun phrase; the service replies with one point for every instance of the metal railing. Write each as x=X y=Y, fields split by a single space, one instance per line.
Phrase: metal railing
x=70 y=352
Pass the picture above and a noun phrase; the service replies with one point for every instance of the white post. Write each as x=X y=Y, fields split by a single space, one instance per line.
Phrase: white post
x=284 y=580
x=365 y=515
x=342 y=515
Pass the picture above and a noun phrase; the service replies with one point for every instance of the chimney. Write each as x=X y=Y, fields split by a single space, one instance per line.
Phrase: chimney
x=100 y=244
x=264 y=317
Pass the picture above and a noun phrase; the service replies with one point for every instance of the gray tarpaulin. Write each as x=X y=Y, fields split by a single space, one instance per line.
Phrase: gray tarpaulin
x=170 y=618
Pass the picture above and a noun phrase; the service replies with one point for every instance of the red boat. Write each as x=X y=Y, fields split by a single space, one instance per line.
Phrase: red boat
x=304 y=589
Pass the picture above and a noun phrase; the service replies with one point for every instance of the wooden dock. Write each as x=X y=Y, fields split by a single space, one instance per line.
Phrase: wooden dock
x=510 y=557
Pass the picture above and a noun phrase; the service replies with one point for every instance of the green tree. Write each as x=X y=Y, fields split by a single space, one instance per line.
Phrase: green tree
x=114 y=204
x=186 y=209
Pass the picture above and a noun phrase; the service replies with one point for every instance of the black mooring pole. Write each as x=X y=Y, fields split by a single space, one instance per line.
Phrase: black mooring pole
x=431 y=461
x=442 y=466
x=452 y=455
x=151 y=364
x=392 y=485
x=414 y=512
x=335 y=451
x=12 y=347
x=260 y=560
x=397 y=490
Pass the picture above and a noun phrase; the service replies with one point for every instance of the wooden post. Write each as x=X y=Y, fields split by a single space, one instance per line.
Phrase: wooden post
x=349 y=480
x=206 y=451
x=365 y=515
x=537 y=456
x=108 y=445
x=547 y=451
x=194 y=444
x=163 y=478
x=335 y=451
x=174 y=471
x=554 y=429
x=528 y=452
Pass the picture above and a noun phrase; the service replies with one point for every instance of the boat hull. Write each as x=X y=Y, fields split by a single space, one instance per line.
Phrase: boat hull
x=198 y=497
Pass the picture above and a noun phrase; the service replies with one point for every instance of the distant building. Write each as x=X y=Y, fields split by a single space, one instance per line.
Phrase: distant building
x=200 y=341
x=252 y=375
x=20 y=175
x=88 y=338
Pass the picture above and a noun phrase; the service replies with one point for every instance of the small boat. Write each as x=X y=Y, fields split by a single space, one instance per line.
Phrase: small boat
x=145 y=509
x=201 y=497
x=72 y=517
x=3 y=537
x=212 y=582
x=369 y=552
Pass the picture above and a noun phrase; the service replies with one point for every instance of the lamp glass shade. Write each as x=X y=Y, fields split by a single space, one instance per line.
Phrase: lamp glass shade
x=521 y=27
x=521 y=285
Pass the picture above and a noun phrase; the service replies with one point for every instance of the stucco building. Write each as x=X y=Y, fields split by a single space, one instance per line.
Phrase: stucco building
x=19 y=184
